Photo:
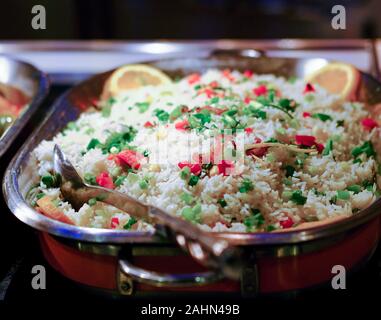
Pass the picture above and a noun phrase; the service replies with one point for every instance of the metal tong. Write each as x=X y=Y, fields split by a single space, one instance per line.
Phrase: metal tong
x=203 y=246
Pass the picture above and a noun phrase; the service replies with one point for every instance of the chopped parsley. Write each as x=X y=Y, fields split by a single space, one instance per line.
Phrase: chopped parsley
x=322 y=116
x=222 y=202
x=365 y=148
x=289 y=171
x=93 y=144
x=162 y=116
x=130 y=223
x=255 y=220
x=193 y=180
x=198 y=120
x=51 y=180
x=285 y=105
x=119 y=140
x=270 y=228
x=298 y=198
x=246 y=186
x=255 y=112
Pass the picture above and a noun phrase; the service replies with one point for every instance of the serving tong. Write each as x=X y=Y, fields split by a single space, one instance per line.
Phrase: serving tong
x=202 y=246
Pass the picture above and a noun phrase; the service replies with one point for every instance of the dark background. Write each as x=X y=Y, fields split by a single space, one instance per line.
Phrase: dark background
x=189 y=19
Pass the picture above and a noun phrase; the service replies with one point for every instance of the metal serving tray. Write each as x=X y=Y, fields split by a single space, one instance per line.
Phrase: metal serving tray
x=32 y=82
x=21 y=173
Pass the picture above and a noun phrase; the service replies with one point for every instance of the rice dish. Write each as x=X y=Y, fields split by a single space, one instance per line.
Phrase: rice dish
x=228 y=150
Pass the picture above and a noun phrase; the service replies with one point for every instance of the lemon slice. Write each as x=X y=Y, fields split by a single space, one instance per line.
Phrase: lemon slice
x=133 y=76
x=337 y=78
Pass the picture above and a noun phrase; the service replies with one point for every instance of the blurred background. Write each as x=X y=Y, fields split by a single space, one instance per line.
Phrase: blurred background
x=189 y=19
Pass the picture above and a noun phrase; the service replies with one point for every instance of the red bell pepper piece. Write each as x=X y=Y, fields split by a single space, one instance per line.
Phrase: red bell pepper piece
x=105 y=181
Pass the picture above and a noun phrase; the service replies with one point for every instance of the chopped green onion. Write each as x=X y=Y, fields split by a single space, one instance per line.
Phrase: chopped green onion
x=132 y=177
x=328 y=147
x=191 y=214
x=354 y=188
x=119 y=181
x=187 y=198
x=90 y=178
x=142 y=106
x=187 y=214
x=343 y=195
x=143 y=184
x=92 y=202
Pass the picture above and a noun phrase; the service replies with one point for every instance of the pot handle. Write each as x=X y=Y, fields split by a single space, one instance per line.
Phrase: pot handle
x=248 y=53
x=166 y=279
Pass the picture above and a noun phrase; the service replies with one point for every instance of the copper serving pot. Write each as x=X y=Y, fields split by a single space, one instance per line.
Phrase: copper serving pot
x=129 y=262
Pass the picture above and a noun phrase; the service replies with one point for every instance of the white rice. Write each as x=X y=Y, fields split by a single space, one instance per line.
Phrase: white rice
x=319 y=178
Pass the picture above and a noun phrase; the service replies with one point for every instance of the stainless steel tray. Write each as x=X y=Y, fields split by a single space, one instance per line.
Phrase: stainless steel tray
x=21 y=173
x=32 y=82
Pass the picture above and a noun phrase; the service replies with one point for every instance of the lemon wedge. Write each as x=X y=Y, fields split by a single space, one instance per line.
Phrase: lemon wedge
x=133 y=76
x=337 y=78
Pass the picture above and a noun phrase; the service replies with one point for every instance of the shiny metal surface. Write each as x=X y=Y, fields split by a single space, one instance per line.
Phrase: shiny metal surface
x=32 y=82
x=21 y=174
x=80 y=59
x=167 y=280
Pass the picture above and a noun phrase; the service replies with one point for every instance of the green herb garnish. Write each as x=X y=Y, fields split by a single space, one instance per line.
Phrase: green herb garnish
x=193 y=180
x=142 y=106
x=130 y=223
x=322 y=116
x=343 y=195
x=328 y=147
x=366 y=148
x=298 y=198
x=246 y=186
